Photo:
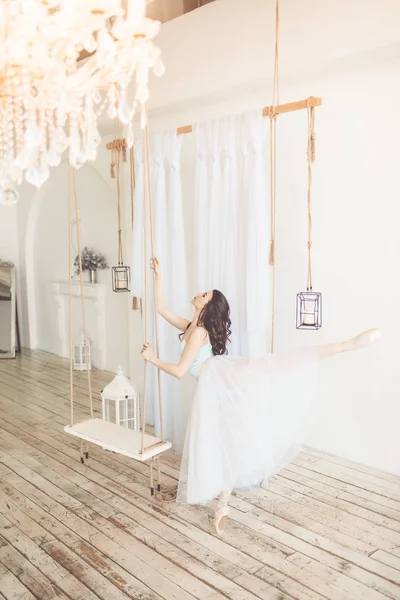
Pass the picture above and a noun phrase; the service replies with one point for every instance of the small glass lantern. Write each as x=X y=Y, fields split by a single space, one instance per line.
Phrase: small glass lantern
x=81 y=355
x=120 y=402
x=309 y=310
x=121 y=278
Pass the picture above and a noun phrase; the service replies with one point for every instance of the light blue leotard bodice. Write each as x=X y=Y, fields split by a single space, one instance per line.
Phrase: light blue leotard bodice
x=203 y=356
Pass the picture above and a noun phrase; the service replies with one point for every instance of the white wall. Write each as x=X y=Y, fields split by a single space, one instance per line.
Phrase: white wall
x=225 y=50
x=356 y=251
x=348 y=52
x=43 y=237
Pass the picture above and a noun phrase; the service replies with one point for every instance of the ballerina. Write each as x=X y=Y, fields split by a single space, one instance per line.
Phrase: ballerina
x=247 y=415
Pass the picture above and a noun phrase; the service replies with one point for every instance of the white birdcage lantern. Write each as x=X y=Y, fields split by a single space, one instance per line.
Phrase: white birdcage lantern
x=81 y=355
x=120 y=401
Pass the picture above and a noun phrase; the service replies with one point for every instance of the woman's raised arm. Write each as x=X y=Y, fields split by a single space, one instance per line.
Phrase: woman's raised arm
x=167 y=314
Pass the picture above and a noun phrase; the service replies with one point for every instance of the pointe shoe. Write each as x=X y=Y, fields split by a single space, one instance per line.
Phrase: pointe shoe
x=363 y=339
x=219 y=519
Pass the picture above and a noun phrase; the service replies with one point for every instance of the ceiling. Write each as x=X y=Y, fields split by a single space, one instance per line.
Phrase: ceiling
x=166 y=10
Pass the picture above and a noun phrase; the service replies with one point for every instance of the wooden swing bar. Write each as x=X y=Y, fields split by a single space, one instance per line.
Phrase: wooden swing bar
x=120 y=440
x=267 y=111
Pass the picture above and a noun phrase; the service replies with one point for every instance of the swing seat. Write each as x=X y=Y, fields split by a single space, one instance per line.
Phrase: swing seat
x=118 y=439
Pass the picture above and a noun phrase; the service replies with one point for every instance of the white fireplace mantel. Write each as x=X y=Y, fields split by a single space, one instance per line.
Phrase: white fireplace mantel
x=95 y=293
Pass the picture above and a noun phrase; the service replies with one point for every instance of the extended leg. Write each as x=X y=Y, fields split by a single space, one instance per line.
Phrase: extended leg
x=223 y=498
x=360 y=341
x=293 y=359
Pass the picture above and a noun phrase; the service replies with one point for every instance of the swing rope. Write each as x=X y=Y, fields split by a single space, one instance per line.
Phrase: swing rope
x=73 y=200
x=272 y=140
x=169 y=494
x=120 y=252
x=132 y=182
x=151 y=214
x=148 y=220
x=71 y=364
x=118 y=151
x=272 y=167
x=310 y=160
x=135 y=301
x=145 y=266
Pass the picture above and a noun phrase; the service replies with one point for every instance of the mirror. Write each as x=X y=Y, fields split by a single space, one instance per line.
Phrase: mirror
x=7 y=310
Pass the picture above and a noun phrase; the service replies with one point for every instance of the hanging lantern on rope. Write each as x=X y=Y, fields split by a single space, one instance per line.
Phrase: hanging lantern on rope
x=120 y=402
x=121 y=274
x=81 y=355
x=309 y=303
x=121 y=278
x=309 y=310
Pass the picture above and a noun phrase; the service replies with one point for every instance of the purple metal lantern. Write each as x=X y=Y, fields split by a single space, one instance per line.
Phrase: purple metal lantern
x=121 y=277
x=309 y=310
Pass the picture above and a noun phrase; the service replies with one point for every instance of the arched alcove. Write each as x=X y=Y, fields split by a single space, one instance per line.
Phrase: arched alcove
x=47 y=268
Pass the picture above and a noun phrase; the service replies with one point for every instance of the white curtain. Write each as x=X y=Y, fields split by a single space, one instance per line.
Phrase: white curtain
x=231 y=244
x=231 y=257
x=232 y=224
x=181 y=391
x=169 y=243
x=256 y=223
x=202 y=206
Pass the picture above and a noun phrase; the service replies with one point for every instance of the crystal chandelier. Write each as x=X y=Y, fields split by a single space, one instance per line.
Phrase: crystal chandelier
x=50 y=100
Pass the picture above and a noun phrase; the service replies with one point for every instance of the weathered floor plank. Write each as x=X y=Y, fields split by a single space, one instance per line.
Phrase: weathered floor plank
x=327 y=528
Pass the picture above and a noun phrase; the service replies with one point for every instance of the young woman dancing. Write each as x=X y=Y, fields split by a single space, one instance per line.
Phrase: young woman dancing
x=248 y=414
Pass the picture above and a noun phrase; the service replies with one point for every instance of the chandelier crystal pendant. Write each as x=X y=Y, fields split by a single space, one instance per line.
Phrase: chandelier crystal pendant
x=135 y=56
x=50 y=99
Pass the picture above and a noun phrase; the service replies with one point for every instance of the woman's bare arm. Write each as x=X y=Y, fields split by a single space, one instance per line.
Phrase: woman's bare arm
x=195 y=342
x=162 y=308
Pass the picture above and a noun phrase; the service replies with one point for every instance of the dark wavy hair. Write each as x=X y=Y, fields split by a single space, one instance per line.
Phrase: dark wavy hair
x=216 y=320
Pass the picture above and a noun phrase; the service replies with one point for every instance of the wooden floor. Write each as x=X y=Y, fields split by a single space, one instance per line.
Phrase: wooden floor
x=326 y=529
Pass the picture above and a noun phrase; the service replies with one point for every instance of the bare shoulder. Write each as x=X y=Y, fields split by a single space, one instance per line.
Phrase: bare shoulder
x=200 y=334
x=197 y=337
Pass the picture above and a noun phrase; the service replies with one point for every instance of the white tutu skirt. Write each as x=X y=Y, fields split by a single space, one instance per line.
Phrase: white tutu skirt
x=248 y=419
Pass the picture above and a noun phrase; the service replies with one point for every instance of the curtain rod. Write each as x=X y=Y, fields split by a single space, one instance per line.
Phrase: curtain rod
x=270 y=110
x=266 y=111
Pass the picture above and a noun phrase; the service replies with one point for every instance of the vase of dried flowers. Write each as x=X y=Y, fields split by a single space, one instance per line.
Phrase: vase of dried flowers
x=92 y=261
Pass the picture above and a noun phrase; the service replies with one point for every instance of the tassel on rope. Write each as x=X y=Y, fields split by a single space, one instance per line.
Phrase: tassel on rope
x=311 y=149
x=272 y=253
x=311 y=136
x=272 y=156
